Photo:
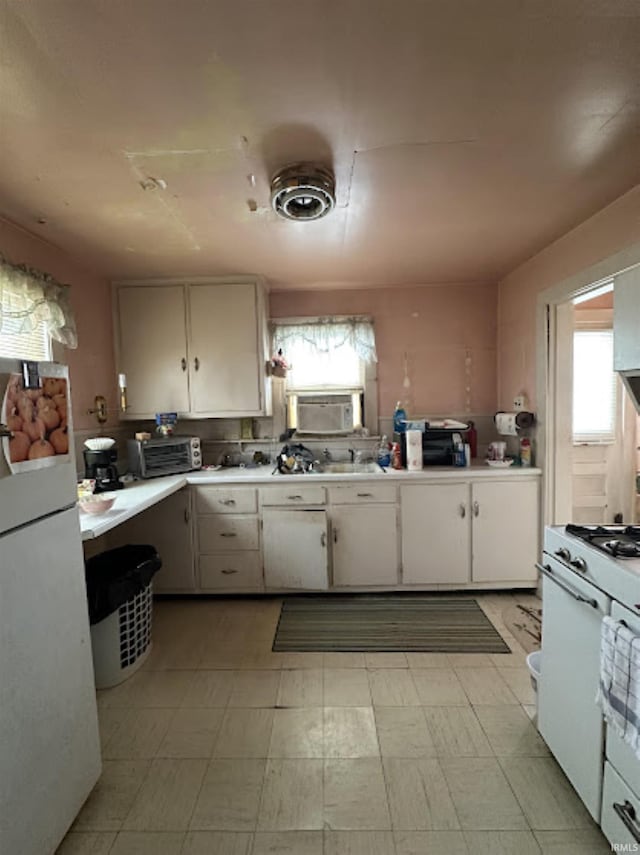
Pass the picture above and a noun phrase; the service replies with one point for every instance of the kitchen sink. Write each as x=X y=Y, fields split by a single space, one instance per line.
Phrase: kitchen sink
x=370 y=467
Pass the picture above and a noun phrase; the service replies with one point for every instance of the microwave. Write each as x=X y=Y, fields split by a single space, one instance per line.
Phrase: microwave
x=323 y=414
x=438 y=447
x=150 y=458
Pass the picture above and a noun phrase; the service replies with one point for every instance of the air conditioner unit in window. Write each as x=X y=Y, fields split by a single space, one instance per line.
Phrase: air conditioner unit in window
x=325 y=414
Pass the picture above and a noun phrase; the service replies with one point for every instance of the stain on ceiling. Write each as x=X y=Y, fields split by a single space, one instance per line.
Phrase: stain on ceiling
x=464 y=136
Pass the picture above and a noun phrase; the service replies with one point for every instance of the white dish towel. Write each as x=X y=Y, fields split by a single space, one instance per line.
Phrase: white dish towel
x=619 y=690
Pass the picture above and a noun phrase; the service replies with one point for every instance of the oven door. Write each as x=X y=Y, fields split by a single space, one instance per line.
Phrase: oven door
x=568 y=718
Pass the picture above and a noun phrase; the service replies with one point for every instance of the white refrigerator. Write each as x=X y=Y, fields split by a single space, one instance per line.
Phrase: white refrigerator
x=49 y=744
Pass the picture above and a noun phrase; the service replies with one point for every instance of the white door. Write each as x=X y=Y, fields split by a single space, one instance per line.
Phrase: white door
x=167 y=526
x=49 y=745
x=224 y=361
x=505 y=531
x=365 y=545
x=153 y=349
x=435 y=533
x=294 y=544
x=568 y=718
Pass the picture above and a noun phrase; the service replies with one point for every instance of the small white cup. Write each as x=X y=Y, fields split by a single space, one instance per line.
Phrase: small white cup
x=499 y=450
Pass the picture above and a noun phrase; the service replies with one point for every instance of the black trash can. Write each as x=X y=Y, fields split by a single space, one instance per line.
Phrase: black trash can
x=120 y=600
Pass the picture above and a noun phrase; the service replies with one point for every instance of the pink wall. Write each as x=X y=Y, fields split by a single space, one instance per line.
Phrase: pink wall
x=91 y=366
x=609 y=231
x=434 y=325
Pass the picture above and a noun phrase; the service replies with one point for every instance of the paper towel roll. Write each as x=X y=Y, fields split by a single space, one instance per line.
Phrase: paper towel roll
x=414 y=450
x=506 y=424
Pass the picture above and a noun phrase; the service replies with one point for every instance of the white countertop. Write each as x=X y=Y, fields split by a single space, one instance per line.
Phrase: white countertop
x=137 y=496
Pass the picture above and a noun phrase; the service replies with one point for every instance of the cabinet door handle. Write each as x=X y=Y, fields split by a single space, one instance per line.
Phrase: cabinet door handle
x=335 y=535
x=196 y=364
x=228 y=534
x=294 y=497
x=364 y=495
x=463 y=510
x=627 y=814
x=227 y=501
x=546 y=570
x=476 y=509
x=183 y=363
x=228 y=572
x=187 y=515
x=323 y=538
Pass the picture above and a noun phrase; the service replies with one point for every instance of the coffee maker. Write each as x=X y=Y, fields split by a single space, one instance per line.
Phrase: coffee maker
x=101 y=467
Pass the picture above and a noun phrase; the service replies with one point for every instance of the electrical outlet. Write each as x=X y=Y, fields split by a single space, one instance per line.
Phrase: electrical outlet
x=520 y=402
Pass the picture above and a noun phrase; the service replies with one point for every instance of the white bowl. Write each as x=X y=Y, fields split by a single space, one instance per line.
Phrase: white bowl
x=96 y=504
x=501 y=464
x=100 y=443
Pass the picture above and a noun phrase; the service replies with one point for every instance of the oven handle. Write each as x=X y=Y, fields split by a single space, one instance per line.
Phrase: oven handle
x=627 y=814
x=546 y=570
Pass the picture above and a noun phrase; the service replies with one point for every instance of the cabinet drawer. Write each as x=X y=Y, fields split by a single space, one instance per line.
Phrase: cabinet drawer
x=355 y=494
x=227 y=533
x=230 y=570
x=226 y=500
x=293 y=494
x=618 y=801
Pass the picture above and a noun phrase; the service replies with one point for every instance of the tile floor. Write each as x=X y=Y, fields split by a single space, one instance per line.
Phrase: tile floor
x=221 y=747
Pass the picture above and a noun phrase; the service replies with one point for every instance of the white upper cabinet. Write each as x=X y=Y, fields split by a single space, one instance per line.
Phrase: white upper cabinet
x=151 y=331
x=196 y=349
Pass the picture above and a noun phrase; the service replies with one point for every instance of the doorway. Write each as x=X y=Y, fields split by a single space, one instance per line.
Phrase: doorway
x=592 y=423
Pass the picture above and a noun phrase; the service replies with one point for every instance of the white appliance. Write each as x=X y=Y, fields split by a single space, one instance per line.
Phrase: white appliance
x=49 y=744
x=324 y=414
x=588 y=572
x=626 y=343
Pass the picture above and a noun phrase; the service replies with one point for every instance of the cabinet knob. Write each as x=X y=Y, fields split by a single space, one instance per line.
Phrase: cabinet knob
x=476 y=509
x=463 y=510
x=196 y=364
x=183 y=363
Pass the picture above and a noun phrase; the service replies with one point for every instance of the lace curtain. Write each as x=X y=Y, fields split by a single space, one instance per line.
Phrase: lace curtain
x=326 y=335
x=29 y=297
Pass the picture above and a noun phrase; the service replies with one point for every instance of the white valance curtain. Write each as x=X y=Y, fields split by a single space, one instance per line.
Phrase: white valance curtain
x=29 y=297
x=325 y=335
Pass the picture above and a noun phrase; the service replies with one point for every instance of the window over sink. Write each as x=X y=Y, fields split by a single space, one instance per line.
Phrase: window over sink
x=332 y=367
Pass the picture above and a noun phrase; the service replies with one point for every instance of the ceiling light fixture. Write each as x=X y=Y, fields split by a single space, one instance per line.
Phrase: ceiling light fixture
x=303 y=191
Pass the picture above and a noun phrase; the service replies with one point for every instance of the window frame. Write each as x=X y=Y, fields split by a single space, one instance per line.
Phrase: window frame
x=597 y=320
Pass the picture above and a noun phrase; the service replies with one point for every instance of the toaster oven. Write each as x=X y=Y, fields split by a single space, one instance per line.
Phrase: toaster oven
x=149 y=458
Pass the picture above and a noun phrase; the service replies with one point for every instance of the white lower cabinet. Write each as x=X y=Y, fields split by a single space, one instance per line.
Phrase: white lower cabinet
x=228 y=539
x=294 y=549
x=467 y=532
x=505 y=531
x=365 y=545
x=167 y=526
x=436 y=535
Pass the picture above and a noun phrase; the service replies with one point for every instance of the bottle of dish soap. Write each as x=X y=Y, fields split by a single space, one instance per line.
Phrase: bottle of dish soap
x=384 y=455
x=399 y=419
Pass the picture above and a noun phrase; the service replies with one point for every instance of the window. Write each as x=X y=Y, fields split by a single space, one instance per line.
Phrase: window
x=326 y=354
x=34 y=309
x=332 y=356
x=594 y=386
x=32 y=344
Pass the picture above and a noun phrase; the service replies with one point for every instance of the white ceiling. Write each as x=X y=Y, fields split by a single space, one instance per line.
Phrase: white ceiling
x=464 y=135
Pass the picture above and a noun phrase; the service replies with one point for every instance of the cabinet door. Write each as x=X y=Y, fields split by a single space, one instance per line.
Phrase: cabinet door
x=294 y=547
x=226 y=363
x=153 y=349
x=505 y=531
x=435 y=533
x=365 y=545
x=166 y=526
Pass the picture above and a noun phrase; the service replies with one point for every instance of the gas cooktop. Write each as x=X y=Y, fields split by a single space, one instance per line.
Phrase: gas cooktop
x=619 y=541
